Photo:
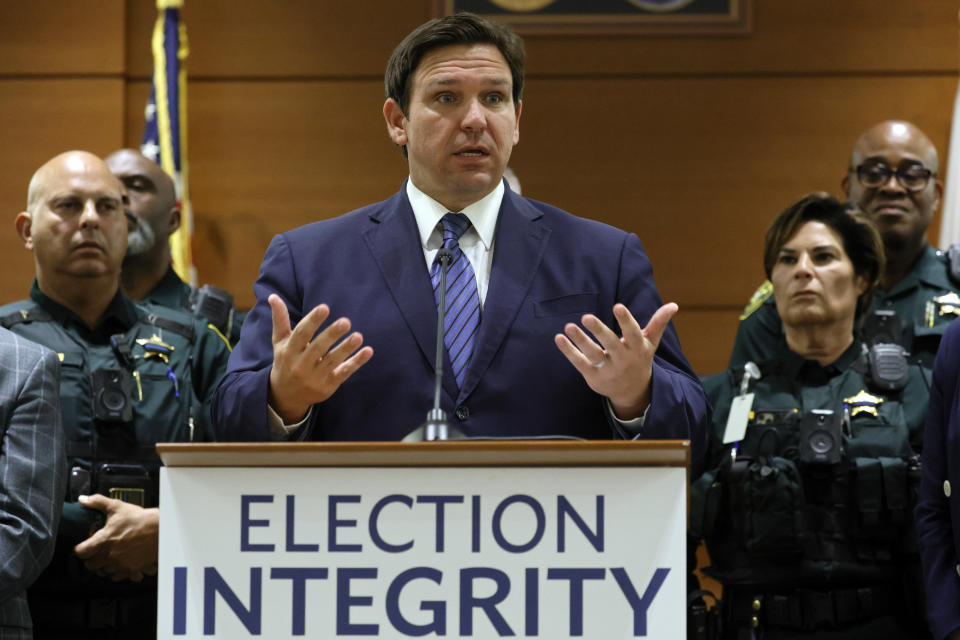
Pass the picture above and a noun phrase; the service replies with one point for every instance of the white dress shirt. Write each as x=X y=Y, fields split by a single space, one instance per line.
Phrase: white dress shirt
x=476 y=242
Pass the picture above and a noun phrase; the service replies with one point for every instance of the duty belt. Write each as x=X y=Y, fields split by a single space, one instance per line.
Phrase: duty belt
x=808 y=609
x=64 y=615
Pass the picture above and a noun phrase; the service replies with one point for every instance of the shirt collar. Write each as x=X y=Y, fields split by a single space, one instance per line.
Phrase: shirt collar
x=482 y=213
x=810 y=372
x=171 y=291
x=119 y=316
x=929 y=269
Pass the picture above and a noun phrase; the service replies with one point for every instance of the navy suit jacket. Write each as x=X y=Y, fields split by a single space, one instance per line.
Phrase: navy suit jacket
x=938 y=508
x=549 y=268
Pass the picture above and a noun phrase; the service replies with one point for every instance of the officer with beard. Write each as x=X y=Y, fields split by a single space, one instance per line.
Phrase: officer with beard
x=131 y=375
x=154 y=213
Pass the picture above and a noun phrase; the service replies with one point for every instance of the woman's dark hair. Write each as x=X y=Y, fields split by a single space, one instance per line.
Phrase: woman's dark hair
x=460 y=28
x=861 y=241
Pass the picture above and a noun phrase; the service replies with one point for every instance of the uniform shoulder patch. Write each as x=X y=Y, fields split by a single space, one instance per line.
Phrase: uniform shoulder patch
x=761 y=295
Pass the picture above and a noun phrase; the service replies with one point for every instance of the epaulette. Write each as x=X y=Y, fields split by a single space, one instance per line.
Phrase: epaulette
x=761 y=295
x=30 y=314
x=184 y=330
x=36 y=314
x=953 y=261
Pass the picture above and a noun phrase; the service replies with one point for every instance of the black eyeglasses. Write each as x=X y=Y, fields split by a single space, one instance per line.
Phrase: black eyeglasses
x=912 y=177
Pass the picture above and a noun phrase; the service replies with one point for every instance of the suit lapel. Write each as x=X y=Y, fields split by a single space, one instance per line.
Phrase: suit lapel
x=519 y=245
x=394 y=241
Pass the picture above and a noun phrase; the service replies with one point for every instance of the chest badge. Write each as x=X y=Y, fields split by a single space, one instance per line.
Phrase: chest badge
x=863 y=402
x=945 y=305
x=155 y=347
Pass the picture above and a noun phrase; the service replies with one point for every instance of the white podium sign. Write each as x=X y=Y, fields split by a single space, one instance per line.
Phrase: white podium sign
x=447 y=552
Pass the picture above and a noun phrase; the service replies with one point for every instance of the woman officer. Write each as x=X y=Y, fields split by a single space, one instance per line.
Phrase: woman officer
x=805 y=507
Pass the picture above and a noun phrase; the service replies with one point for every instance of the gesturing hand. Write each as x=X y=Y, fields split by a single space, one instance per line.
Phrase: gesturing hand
x=619 y=368
x=307 y=369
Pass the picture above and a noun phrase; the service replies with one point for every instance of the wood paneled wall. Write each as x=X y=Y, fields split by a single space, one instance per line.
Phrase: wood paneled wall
x=694 y=143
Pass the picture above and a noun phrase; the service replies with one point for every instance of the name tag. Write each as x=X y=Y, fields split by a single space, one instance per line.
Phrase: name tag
x=738 y=418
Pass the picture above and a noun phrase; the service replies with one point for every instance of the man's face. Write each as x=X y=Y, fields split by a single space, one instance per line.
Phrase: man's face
x=901 y=215
x=152 y=199
x=76 y=225
x=461 y=123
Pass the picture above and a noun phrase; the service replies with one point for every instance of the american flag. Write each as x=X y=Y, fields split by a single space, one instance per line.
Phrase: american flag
x=165 y=129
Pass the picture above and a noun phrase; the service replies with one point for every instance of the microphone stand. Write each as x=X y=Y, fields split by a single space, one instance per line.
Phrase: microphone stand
x=436 y=426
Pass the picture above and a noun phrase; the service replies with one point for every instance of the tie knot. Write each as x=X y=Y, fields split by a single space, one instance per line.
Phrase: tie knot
x=454 y=226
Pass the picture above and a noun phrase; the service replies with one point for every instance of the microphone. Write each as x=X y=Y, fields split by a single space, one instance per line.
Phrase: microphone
x=436 y=426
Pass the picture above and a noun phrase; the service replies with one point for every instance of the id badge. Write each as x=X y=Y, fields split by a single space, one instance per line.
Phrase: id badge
x=738 y=418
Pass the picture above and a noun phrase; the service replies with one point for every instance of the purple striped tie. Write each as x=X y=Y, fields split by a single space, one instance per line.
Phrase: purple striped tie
x=463 y=302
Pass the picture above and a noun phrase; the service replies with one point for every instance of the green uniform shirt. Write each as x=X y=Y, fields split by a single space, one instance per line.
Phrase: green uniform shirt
x=171 y=292
x=174 y=293
x=926 y=300
x=778 y=521
x=175 y=363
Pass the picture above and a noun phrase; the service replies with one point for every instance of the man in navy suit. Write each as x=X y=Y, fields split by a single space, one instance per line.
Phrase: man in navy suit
x=938 y=509
x=453 y=106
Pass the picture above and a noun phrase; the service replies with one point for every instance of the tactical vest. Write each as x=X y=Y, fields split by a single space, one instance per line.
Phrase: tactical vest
x=119 y=399
x=800 y=502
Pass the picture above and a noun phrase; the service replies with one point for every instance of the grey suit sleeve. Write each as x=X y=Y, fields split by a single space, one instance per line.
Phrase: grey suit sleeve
x=32 y=463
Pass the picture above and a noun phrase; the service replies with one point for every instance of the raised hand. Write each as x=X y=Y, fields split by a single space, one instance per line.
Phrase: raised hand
x=619 y=368
x=307 y=369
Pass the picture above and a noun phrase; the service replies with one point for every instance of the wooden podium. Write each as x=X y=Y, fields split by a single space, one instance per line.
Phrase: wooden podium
x=480 y=539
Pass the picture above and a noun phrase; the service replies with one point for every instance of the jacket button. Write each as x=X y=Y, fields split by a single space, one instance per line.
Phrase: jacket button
x=462 y=413
x=946 y=488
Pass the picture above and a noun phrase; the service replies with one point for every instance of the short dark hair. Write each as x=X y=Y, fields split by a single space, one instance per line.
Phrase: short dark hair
x=861 y=241
x=460 y=28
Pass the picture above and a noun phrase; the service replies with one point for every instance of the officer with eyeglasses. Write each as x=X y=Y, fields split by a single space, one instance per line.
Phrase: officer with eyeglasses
x=892 y=178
